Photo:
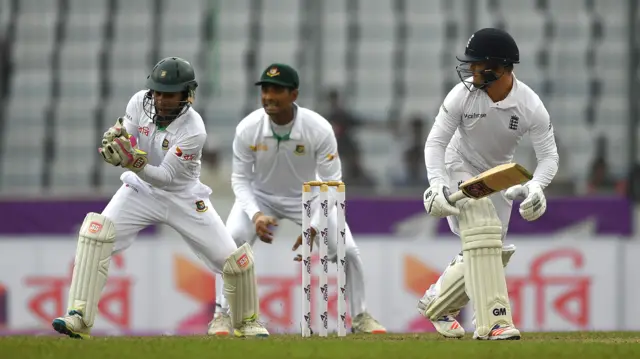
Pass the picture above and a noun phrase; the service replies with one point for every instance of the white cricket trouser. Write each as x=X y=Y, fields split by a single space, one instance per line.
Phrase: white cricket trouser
x=136 y=205
x=243 y=230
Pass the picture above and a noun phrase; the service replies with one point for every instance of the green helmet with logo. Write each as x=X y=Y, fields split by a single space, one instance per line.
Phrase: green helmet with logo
x=171 y=75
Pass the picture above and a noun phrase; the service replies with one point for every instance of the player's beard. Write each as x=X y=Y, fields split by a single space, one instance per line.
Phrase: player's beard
x=166 y=114
x=163 y=112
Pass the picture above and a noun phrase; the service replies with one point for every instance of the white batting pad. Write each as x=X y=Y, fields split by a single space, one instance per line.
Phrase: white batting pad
x=91 y=267
x=481 y=233
x=451 y=295
x=450 y=287
x=241 y=286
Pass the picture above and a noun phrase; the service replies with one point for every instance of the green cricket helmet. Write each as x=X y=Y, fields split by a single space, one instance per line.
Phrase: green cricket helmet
x=171 y=75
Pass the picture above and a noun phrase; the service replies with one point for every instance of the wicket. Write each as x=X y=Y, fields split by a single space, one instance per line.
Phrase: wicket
x=324 y=210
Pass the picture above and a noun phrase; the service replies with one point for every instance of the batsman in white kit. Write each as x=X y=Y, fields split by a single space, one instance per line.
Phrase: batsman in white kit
x=161 y=186
x=477 y=128
x=276 y=149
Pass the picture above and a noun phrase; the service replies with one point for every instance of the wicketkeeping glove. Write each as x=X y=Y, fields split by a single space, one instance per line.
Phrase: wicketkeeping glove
x=125 y=149
x=114 y=132
x=108 y=156
x=117 y=130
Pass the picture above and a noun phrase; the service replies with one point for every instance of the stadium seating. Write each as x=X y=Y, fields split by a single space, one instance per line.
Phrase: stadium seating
x=76 y=66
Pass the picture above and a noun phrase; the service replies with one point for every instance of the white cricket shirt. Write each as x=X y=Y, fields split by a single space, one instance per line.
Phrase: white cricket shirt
x=174 y=152
x=275 y=170
x=484 y=134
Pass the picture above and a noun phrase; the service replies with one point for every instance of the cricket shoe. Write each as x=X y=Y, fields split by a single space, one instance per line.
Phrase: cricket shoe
x=447 y=325
x=220 y=325
x=500 y=332
x=72 y=325
x=365 y=323
x=251 y=328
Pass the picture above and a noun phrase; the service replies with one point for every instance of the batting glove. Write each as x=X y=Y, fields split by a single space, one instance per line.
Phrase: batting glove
x=436 y=201
x=534 y=204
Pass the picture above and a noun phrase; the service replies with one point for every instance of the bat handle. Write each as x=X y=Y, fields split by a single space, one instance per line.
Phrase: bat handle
x=456 y=196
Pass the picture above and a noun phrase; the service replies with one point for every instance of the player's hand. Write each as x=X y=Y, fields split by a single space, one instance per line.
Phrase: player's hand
x=534 y=204
x=132 y=158
x=298 y=258
x=436 y=201
x=114 y=132
x=263 y=227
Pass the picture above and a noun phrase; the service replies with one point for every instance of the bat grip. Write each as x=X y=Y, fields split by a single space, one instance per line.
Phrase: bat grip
x=456 y=196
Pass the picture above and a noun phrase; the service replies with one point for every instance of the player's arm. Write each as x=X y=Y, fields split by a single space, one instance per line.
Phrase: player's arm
x=328 y=165
x=242 y=176
x=133 y=107
x=544 y=145
x=446 y=123
x=178 y=164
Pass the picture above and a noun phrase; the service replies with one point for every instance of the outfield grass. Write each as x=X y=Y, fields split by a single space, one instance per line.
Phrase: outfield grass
x=583 y=345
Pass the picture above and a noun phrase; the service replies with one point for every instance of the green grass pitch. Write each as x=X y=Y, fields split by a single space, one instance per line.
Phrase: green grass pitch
x=582 y=345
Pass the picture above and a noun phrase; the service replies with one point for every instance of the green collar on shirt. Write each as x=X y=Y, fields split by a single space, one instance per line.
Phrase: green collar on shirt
x=284 y=137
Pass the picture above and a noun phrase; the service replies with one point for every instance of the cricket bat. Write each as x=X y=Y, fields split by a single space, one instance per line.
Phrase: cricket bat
x=494 y=180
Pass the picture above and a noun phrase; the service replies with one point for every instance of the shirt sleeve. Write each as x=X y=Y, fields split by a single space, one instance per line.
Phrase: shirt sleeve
x=544 y=145
x=242 y=176
x=446 y=124
x=328 y=165
x=178 y=165
x=132 y=112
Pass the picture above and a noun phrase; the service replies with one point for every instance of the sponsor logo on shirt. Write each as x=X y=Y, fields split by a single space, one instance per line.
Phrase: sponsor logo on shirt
x=474 y=115
x=184 y=156
x=143 y=130
x=259 y=147
x=332 y=156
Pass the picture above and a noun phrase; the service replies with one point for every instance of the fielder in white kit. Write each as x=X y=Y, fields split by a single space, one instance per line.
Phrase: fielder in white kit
x=477 y=128
x=276 y=149
x=161 y=186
